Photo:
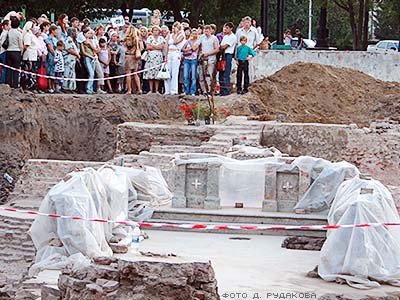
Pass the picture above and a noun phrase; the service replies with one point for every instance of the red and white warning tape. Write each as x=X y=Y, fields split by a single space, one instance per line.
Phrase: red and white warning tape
x=78 y=79
x=201 y=226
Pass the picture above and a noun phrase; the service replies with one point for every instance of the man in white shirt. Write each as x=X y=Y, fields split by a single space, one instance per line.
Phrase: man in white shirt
x=253 y=39
x=228 y=45
x=208 y=58
x=249 y=32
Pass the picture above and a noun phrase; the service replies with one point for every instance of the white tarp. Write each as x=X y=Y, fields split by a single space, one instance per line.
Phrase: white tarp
x=244 y=180
x=327 y=177
x=239 y=180
x=108 y=193
x=365 y=256
x=258 y=151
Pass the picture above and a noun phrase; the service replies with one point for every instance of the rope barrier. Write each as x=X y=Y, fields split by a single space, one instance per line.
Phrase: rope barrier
x=202 y=226
x=78 y=79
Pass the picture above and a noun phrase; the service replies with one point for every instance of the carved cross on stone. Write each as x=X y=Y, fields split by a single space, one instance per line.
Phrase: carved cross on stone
x=196 y=183
x=287 y=186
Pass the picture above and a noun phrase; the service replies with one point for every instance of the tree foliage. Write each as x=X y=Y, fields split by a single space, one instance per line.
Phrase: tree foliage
x=358 y=12
x=346 y=20
x=388 y=20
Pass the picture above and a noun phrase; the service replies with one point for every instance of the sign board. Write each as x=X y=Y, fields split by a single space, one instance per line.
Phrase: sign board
x=118 y=21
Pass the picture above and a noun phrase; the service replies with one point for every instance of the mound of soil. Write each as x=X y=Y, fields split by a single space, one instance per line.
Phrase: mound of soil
x=74 y=127
x=308 y=92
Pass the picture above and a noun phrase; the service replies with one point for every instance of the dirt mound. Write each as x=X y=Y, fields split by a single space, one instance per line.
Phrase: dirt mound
x=307 y=92
x=75 y=127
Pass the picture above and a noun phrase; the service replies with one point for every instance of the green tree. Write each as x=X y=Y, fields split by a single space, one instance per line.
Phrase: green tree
x=358 y=13
x=388 y=20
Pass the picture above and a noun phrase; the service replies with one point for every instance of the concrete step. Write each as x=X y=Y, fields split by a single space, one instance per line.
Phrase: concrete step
x=27 y=204
x=309 y=233
x=18 y=242
x=172 y=149
x=129 y=157
x=228 y=143
x=20 y=248
x=241 y=132
x=247 y=126
x=239 y=216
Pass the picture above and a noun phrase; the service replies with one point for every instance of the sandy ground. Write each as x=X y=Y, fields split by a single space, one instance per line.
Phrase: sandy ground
x=258 y=265
x=314 y=93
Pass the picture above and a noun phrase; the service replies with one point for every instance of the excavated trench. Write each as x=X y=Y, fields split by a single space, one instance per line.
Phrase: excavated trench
x=71 y=127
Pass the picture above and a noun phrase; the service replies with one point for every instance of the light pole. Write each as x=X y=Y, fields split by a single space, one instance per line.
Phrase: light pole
x=310 y=15
x=280 y=16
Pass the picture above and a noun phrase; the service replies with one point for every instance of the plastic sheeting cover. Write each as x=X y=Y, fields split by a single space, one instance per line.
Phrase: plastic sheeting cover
x=327 y=177
x=104 y=194
x=239 y=180
x=362 y=257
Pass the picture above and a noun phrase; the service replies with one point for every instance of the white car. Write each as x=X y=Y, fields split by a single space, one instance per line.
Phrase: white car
x=386 y=45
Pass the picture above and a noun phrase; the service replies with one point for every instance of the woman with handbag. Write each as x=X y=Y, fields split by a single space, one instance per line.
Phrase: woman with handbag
x=154 y=45
x=29 y=56
x=176 y=40
x=190 y=52
x=132 y=57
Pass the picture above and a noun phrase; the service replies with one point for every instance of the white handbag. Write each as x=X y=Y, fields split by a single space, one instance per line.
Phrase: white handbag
x=164 y=73
x=145 y=55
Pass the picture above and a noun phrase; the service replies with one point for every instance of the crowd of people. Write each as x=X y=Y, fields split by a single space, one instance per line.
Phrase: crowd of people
x=155 y=59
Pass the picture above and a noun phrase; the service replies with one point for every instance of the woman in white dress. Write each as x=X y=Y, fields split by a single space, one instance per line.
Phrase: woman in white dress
x=176 y=40
x=154 y=45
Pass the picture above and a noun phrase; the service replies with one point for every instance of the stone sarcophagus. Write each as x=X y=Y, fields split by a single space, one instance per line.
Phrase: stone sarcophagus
x=284 y=186
x=271 y=185
x=197 y=186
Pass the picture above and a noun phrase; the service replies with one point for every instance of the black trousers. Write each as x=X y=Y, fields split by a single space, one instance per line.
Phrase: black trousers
x=13 y=59
x=243 y=69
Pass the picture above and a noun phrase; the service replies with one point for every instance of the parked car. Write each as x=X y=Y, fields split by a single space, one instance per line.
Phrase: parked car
x=385 y=45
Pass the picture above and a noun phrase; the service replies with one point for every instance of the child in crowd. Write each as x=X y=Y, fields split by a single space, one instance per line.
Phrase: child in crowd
x=105 y=59
x=243 y=54
x=59 y=66
x=265 y=44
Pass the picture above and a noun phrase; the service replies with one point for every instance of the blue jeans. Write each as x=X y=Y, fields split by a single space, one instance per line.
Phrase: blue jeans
x=89 y=64
x=190 y=76
x=225 y=77
x=4 y=69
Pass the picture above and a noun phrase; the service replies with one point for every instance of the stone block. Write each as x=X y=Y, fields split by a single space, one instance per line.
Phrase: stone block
x=105 y=260
x=146 y=280
x=94 y=288
x=270 y=206
x=110 y=286
x=49 y=292
x=196 y=185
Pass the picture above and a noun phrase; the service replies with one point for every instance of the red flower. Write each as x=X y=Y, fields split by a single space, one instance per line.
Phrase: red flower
x=225 y=112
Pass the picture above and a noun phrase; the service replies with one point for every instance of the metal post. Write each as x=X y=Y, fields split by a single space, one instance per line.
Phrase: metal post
x=52 y=15
x=23 y=10
x=264 y=17
x=280 y=16
x=310 y=15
